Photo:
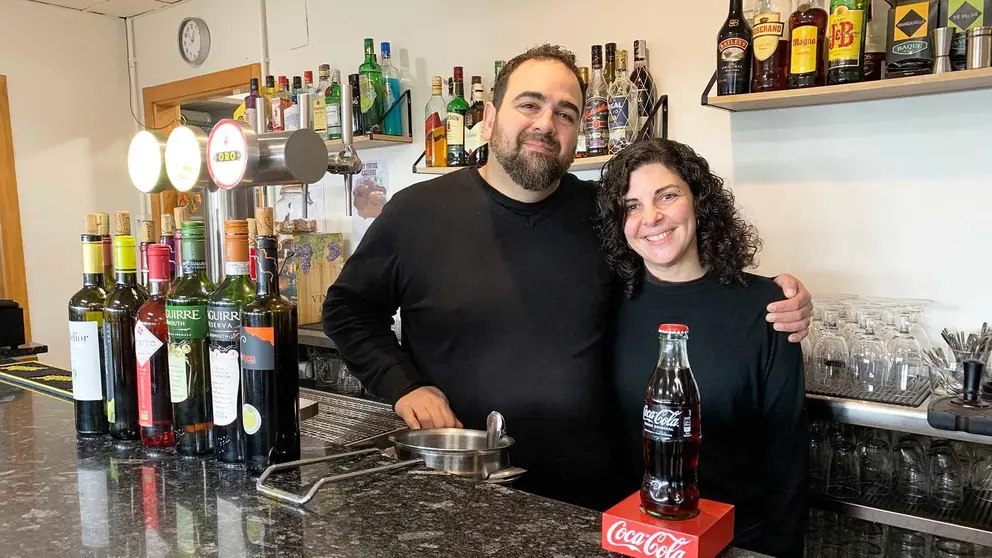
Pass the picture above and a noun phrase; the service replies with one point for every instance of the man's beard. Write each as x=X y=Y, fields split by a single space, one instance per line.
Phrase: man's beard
x=532 y=171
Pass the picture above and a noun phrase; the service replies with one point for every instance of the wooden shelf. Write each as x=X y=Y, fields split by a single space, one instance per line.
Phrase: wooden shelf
x=965 y=80
x=584 y=164
x=372 y=141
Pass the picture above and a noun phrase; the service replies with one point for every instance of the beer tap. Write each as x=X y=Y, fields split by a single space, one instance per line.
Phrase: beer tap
x=346 y=162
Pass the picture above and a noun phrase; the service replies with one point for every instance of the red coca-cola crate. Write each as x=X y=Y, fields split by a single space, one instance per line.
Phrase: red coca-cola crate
x=629 y=531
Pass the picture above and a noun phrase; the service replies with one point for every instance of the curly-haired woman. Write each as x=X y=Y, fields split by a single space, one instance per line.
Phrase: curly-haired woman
x=679 y=247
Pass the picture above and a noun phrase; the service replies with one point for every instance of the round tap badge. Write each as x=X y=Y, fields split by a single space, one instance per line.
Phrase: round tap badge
x=227 y=150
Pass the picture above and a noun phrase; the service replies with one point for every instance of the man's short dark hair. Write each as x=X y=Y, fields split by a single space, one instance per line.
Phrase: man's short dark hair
x=543 y=52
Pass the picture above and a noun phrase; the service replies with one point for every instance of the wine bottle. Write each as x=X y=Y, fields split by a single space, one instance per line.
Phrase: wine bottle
x=103 y=224
x=168 y=238
x=151 y=336
x=189 y=367
x=224 y=324
x=85 y=340
x=146 y=232
x=119 y=320
x=270 y=380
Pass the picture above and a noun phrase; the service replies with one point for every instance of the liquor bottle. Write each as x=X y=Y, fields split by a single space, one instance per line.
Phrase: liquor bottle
x=357 y=118
x=270 y=91
x=436 y=149
x=189 y=372
x=103 y=225
x=497 y=66
x=580 y=142
x=151 y=337
x=609 y=70
x=733 y=57
x=119 y=319
x=846 y=44
x=451 y=90
x=621 y=128
x=252 y=101
x=473 y=123
x=85 y=339
x=332 y=98
x=318 y=102
x=875 y=41
x=597 y=114
x=146 y=234
x=168 y=238
x=771 y=49
x=671 y=431
x=645 y=91
x=278 y=101
x=455 y=123
x=181 y=214
x=371 y=90
x=391 y=90
x=224 y=325
x=270 y=380
x=807 y=39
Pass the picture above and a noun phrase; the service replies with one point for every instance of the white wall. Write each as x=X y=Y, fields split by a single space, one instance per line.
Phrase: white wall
x=67 y=76
x=885 y=198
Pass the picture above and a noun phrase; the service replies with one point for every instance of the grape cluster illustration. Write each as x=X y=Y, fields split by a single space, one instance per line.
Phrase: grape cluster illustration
x=304 y=253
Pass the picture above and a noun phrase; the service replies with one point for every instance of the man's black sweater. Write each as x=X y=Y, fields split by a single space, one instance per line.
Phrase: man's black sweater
x=755 y=443
x=503 y=306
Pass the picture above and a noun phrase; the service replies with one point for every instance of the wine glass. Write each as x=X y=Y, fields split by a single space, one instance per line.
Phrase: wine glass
x=830 y=355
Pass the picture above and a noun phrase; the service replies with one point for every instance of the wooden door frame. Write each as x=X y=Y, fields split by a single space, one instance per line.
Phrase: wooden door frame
x=12 y=272
x=162 y=111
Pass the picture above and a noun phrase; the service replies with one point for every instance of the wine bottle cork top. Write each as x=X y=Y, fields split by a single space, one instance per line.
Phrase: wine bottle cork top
x=146 y=231
x=182 y=214
x=91 y=223
x=103 y=221
x=252 y=230
x=122 y=222
x=263 y=220
x=168 y=224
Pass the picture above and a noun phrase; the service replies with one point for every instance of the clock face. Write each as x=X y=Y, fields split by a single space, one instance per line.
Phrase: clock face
x=194 y=41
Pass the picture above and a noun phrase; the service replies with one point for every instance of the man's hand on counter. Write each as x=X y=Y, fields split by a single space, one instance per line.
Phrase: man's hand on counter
x=426 y=407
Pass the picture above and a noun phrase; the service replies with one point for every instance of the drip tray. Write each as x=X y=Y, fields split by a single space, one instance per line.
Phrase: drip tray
x=345 y=420
x=917 y=393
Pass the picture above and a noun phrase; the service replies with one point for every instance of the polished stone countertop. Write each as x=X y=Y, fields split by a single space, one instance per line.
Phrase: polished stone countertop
x=63 y=497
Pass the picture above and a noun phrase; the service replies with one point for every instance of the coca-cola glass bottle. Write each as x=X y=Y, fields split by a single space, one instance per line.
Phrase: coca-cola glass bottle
x=671 y=433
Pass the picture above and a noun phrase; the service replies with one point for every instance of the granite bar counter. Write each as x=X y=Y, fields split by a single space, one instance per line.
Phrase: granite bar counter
x=63 y=497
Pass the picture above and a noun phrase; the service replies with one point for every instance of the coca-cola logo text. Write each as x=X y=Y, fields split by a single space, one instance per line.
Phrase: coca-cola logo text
x=661 y=417
x=661 y=544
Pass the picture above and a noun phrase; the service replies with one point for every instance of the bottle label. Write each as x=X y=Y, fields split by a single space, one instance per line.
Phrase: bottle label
x=804 y=51
x=580 y=144
x=178 y=364
x=186 y=322
x=251 y=419
x=194 y=266
x=455 y=129
x=225 y=377
x=237 y=268
x=319 y=119
x=597 y=123
x=292 y=116
x=619 y=113
x=366 y=92
x=334 y=117
x=84 y=354
x=391 y=87
x=767 y=33
x=146 y=344
x=224 y=324
x=846 y=37
x=277 y=123
x=664 y=423
x=258 y=348
x=473 y=138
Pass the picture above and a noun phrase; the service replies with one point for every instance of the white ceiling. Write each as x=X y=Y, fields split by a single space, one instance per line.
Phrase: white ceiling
x=113 y=8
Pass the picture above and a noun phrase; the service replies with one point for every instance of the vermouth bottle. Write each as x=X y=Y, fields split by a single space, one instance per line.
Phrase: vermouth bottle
x=189 y=367
x=269 y=367
x=119 y=320
x=224 y=324
x=151 y=337
x=86 y=341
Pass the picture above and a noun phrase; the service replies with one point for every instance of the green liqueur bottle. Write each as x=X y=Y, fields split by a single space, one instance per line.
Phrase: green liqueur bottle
x=189 y=367
x=269 y=368
x=85 y=341
x=120 y=361
x=371 y=90
x=455 y=124
x=224 y=324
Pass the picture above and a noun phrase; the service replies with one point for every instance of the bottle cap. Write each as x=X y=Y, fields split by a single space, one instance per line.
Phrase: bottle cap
x=458 y=73
x=124 y=260
x=253 y=83
x=611 y=49
x=436 y=81
x=336 y=75
x=270 y=81
x=122 y=222
x=193 y=229
x=324 y=68
x=385 y=50
x=308 y=75
x=158 y=262
x=673 y=328
x=476 y=79
x=236 y=242
x=297 y=82
x=597 y=56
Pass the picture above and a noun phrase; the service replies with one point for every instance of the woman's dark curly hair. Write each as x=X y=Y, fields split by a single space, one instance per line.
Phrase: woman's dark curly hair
x=727 y=243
